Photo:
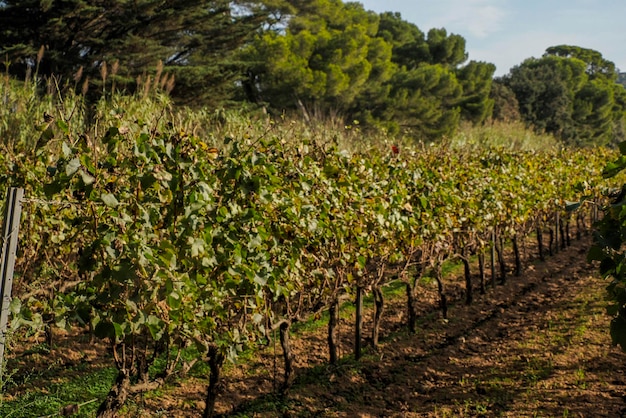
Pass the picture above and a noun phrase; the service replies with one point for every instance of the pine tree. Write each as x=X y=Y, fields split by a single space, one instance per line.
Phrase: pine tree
x=476 y=79
x=324 y=59
x=197 y=40
x=572 y=93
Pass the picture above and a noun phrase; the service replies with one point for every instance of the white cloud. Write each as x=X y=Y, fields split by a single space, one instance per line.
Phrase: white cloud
x=513 y=49
x=505 y=32
x=480 y=18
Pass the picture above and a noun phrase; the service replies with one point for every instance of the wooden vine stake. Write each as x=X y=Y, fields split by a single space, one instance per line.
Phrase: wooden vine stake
x=518 y=257
x=10 y=228
x=379 y=308
x=562 y=234
x=288 y=355
x=493 y=258
x=481 y=270
x=469 y=297
x=542 y=257
x=333 y=338
x=358 y=322
x=556 y=232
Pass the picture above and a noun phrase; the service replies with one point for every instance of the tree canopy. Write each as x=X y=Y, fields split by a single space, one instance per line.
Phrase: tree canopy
x=195 y=39
x=326 y=56
x=378 y=69
x=572 y=93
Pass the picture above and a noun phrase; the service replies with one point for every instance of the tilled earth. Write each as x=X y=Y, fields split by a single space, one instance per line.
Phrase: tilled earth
x=537 y=346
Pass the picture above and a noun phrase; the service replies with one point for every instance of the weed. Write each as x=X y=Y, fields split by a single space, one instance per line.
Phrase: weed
x=50 y=399
x=580 y=378
x=537 y=369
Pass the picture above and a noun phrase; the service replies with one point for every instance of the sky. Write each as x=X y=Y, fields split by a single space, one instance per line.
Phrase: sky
x=506 y=32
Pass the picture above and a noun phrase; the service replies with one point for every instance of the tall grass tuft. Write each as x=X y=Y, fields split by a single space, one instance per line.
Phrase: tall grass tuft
x=23 y=105
x=513 y=136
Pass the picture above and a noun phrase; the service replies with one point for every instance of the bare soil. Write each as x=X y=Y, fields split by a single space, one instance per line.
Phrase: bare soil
x=537 y=346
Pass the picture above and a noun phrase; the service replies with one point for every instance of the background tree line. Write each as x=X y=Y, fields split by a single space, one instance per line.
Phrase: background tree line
x=313 y=57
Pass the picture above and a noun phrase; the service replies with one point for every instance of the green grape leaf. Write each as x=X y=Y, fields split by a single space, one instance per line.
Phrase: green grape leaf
x=72 y=167
x=618 y=331
x=88 y=179
x=109 y=199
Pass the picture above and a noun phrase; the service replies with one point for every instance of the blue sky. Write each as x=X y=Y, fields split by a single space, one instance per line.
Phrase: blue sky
x=506 y=32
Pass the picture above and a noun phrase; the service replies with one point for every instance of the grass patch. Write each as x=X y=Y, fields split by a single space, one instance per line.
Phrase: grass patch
x=537 y=369
x=507 y=135
x=51 y=398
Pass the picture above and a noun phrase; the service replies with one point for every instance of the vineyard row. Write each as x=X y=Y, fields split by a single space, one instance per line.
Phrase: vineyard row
x=158 y=242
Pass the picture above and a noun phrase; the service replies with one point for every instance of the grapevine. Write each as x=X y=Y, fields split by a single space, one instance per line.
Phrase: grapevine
x=163 y=242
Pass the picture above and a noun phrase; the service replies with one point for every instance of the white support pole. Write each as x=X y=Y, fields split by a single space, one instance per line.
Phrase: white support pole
x=10 y=232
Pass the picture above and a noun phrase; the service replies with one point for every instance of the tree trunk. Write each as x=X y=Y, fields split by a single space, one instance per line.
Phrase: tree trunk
x=288 y=356
x=469 y=297
x=216 y=359
x=542 y=256
x=518 y=258
x=481 y=271
x=116 y=398
x=333 y=338
x=358 y=322
x=443 y=300
x=379 y=307
x=493 y=260
x=501 y=262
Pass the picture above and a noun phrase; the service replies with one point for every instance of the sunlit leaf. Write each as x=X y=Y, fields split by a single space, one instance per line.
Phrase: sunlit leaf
x=109 y=199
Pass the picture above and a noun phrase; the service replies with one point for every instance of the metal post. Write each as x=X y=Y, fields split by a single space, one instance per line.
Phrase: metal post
x=10 y=232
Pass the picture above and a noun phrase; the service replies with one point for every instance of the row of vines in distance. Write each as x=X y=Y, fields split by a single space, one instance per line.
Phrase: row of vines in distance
x=161 y=242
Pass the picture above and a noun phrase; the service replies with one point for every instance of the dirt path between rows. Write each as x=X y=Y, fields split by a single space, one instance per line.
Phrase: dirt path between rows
x=537 y=346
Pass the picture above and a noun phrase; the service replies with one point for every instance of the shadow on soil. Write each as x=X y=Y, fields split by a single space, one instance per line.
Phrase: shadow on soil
x=537 y=346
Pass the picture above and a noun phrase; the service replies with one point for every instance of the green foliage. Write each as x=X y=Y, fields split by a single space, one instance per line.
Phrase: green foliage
x=609 y=251
x=81 y=390
x=542 y=88
x=512 y=136
x=326 y=57
x=445 y=49
x=409 y=42
x=476 y=80
x=196 y=41
x=572 y=93
x=423 y=99
x=317 y=58
x=380 y=70
x=597 y=65
x=159 y=228
x=411 y=48
x=505 y=104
